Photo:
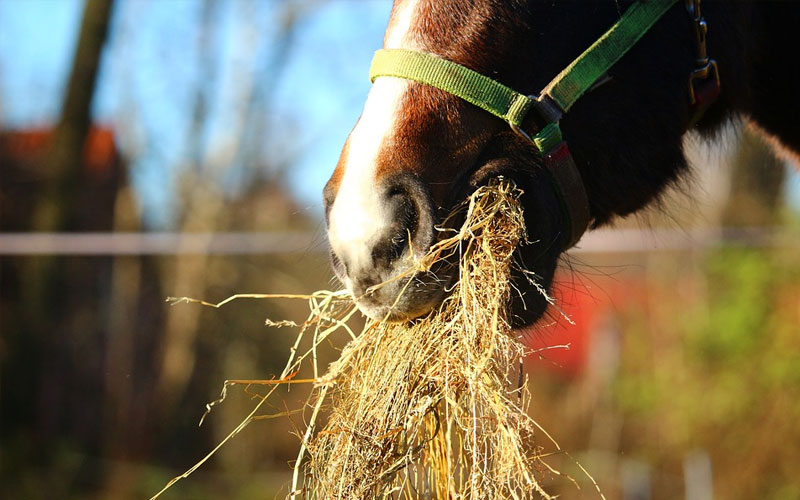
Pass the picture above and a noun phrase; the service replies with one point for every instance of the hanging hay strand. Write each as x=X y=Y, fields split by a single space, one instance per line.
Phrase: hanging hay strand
x=431 y=409
x=435 y=408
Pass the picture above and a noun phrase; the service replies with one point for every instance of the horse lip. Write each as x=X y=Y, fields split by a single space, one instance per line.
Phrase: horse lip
x=381 y=302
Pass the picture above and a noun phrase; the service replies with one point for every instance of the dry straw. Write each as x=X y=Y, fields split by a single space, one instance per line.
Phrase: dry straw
x=436 y=408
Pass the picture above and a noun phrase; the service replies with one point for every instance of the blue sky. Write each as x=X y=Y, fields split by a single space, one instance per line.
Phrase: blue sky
x=149 y=75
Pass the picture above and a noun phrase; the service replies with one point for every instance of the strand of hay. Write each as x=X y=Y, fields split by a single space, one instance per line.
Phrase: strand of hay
x=432 y=409
x=436 y=408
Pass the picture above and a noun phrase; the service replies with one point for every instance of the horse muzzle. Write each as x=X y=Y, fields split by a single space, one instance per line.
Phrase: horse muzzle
x=376 y=234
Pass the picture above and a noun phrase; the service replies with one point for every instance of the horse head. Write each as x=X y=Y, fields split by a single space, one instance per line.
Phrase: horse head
x=417 y=151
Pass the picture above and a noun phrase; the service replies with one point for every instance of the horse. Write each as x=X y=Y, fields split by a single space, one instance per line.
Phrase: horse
x=417 y=151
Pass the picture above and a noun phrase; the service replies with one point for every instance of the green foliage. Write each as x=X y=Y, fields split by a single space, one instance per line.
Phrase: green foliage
x=741 y=287
x=711 y=360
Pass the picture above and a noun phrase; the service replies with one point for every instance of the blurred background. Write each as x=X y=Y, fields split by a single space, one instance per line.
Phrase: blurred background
x=179 y=147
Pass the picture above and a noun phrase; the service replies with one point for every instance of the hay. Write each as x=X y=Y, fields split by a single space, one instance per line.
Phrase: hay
x=435 y=408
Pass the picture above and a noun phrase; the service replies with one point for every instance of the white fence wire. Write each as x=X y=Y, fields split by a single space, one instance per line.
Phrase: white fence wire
x=265 y=243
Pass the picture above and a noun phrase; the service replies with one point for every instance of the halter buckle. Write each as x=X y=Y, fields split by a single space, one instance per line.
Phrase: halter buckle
x=520 y=132
x=702 y=74
x=547 y=111
x=704 y=88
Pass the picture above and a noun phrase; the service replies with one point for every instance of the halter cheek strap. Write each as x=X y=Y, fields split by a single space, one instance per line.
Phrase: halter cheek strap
x=552 y=102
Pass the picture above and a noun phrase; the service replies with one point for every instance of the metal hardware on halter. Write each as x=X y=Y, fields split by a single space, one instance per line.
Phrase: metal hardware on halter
x=547 y=111
x=700 y=30
x=704 y=81
x=702 y=74
x=520 y=132
x=560 y=165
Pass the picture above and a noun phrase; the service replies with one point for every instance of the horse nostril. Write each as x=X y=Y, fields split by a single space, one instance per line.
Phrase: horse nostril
x=395 y=191
x=395 y=241
x=373 y=234
x=409 y=228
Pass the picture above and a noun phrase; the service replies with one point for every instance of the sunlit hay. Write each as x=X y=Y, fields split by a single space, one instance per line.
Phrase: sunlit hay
x=436 y=408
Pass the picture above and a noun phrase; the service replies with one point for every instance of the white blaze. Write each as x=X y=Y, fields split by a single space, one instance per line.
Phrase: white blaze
x=398 y=35
x=358 y=217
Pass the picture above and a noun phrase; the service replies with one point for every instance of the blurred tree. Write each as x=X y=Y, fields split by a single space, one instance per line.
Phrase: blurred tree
x=176 y=364
x=55 y=208
x=203 y=204
x=53 y=345
x=101 y=382
x=63 y=205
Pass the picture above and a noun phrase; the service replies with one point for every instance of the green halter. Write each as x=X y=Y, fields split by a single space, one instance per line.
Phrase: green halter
x=553 y=101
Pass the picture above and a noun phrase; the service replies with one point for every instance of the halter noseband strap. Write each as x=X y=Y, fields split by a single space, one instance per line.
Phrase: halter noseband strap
x=553 y=101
